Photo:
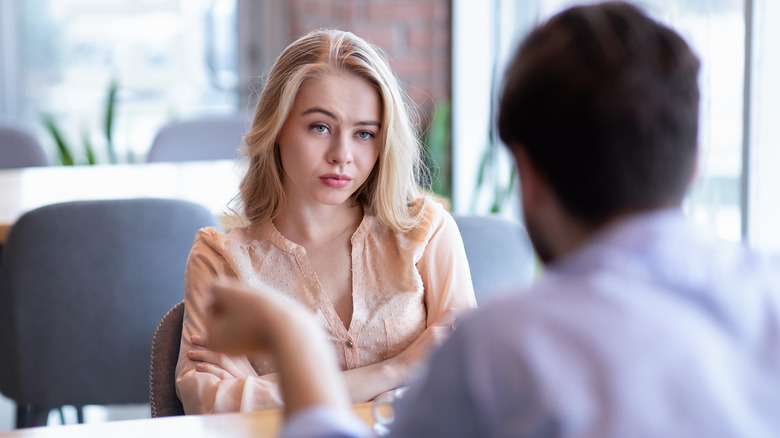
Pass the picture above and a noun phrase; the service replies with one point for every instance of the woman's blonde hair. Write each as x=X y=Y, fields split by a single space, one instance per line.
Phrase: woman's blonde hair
x=395 y=183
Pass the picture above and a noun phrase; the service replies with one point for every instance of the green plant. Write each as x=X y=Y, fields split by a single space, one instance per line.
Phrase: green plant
x=437 y=141
x=66 y=152
x=489 y=178
x=109 y=120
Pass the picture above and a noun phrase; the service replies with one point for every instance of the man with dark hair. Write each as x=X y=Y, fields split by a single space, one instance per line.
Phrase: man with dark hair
x=605 y=103
x=640 y=326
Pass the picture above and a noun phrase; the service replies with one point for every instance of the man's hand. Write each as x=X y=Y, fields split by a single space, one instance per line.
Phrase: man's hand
x=241 y=320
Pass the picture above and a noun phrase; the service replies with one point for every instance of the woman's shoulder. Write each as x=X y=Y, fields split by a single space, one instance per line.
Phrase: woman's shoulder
x=433 y=216
x=434 y=207
x=216 y=239
x=209 y=235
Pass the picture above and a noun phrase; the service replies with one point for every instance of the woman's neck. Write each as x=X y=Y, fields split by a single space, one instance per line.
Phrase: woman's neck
x=318 y=225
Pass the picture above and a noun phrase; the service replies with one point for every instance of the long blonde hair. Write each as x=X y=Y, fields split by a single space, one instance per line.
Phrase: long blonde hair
x=396 y=182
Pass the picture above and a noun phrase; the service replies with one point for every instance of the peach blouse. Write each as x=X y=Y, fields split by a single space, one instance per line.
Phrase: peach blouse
x=402 y=282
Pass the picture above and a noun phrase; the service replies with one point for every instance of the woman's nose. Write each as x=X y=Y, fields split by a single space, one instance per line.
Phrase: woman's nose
x=340 y=151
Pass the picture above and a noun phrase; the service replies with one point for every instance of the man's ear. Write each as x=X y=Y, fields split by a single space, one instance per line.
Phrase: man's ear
x=532 y=186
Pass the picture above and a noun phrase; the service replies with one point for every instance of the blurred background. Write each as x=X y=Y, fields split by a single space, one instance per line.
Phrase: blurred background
x=151 y=62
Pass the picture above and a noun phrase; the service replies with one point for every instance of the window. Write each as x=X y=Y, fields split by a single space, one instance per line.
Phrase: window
x=762 y=203
x=170 y=60
x=732 y=193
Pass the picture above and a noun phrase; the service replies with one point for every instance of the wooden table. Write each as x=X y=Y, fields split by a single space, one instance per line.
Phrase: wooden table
x=261 y=424
x=211 y=183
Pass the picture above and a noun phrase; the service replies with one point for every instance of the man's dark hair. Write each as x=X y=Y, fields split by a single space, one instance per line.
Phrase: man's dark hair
x=605 y=102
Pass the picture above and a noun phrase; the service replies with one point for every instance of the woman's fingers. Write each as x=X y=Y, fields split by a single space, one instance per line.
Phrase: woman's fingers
x=207 y=362
x=223 y=365
x=210 y=368
x=211 y=362
x=204 y=356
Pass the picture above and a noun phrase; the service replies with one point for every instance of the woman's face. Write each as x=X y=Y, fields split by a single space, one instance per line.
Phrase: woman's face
x=330 y=141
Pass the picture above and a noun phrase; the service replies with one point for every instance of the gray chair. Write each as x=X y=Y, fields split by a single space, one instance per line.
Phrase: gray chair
x=82 y=287
x=499 y=252
x=162 y=369
x=213 y=138
x=18 y=148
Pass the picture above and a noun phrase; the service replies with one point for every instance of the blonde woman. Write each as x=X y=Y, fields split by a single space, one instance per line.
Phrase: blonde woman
x=334 y=218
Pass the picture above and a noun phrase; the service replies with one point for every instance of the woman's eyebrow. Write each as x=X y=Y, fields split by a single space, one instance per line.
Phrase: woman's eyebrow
x=333 y=116
x=317 y=109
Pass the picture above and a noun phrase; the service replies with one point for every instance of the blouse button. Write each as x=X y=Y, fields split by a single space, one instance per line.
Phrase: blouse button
x=349 y=344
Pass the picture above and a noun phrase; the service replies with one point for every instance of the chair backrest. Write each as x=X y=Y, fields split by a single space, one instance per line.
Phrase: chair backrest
x=82 y=287
x=162 y=369
x=18 y=148
x=201 y=139
x=499 y=252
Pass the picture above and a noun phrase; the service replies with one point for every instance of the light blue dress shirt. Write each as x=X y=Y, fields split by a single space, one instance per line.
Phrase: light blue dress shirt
x=652 y=329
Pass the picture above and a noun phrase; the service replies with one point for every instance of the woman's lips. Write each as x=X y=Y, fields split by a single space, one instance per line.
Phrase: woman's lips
x=335 y=180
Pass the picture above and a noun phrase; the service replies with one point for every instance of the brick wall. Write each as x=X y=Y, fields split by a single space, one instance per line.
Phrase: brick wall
x=414 y=33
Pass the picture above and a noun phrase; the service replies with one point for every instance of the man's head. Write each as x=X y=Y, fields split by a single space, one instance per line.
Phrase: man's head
x=603 y=102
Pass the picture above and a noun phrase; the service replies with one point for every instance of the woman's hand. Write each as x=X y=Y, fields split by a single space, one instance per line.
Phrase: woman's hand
x=219 y=364
x=367 y=382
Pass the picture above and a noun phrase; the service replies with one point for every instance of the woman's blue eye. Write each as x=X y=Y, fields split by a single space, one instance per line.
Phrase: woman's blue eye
x=365 y=135
x=321 y=129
